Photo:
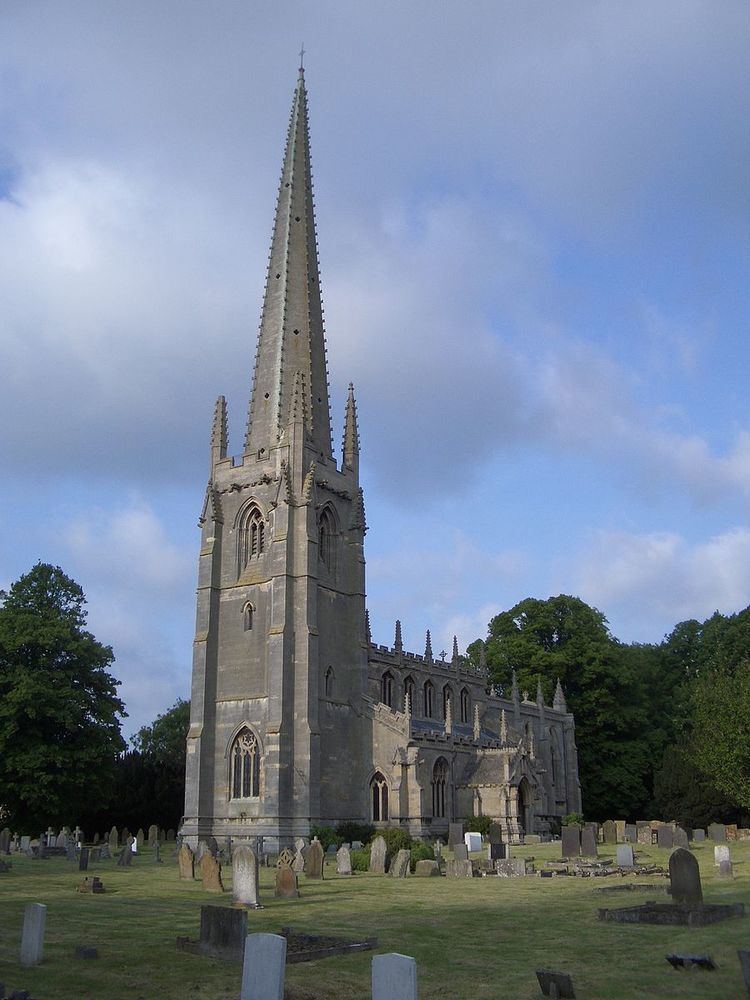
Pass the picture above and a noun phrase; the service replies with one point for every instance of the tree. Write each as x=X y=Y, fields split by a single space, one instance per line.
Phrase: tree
x=162 y=747
x=59 y=726
x=721 y=729
x=684 y=793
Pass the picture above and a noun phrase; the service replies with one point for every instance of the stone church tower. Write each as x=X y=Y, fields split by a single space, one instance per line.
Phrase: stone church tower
x=297 y=716
x=281 y=591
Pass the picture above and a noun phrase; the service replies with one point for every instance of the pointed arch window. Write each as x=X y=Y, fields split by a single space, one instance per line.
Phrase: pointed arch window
x=245 y=765
x=326 y=538
x=248 y=615
x=409 y=692
x=252 y=536
x=465 y=705
x=386 y=689
x=329 y=682
x=439 y=785
x=379 y=798
x=447 y=695
x=429 y=699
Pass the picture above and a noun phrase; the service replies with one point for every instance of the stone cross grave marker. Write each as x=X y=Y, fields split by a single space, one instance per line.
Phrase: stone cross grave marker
x=32 y=936
x=263 y=967
x=314 y=860
x=286 y=883
x=685 y=878
x=211 y=873
x=343 y=861
x=394 y=977
x=378 y=851
x=400 y=864
x=245 y=877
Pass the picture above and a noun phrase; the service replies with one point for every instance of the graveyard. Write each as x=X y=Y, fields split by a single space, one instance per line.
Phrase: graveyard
x=471 y=937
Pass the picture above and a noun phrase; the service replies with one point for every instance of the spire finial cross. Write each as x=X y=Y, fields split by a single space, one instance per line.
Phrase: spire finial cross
x=302 y=57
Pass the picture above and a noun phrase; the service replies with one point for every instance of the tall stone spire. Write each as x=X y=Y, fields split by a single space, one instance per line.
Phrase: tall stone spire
x=291 y=344
x=350 y=451
x=559 y=701
x=219 y=432
x=398 y=643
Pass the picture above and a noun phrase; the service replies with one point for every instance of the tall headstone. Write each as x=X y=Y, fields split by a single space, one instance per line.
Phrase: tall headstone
x=620 y=825
x=32 y=936
x=680 y=837
x=83 y=860
x=378 y=851
x=153 y=835
x=455 y=834
x=286 y=882
x=113 y=839
x=571 y=841
x=245 y=885
x=186 y=861
x=263 y=967
x=394 y=977
x=211 y=873
x=5 y=841
x=631 y=833
x=126 y=857
x=685 y=878
x=140 y=837
x=588 y=842
x=343 y=861
x=495 y=834
x=609 y=831
x=400 y=864
x=665 y=837
x=314 y=860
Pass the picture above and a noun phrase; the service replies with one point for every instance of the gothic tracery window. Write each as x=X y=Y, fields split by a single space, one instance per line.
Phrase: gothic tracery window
x=245 y=766
x=439 y=784
x=379 y=798
x=326 y=532
x=248 y=613
x=386 y=689
x=465 y=705
x=429 y=698
x=252 y=536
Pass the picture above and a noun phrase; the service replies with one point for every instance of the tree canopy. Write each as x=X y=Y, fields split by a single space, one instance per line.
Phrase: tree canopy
x=59 y=725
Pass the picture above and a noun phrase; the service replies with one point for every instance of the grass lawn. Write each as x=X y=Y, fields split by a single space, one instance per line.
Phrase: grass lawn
x=474 y=939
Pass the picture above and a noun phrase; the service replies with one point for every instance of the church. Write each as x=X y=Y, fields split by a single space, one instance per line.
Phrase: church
x=297 y=717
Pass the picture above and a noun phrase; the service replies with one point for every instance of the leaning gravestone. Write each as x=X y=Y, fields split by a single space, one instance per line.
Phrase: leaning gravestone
x=211 y=873
x=680 y=837
x=244 y=877
x=455 y=834
x=186 y=861
x=685 y=878
x=314 y=860
x=378 y=851
x=588 y=842
x=610 y=832
x=286 y=882
x=343 y=861
x=718 y=833
x=625 y=856
x=571 y=841
x=665 y=837
x=400 y=865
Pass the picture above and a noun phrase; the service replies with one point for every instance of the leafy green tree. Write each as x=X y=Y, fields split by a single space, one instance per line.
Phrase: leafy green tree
x=59 y=727
x=162 y=749
x=721 y=729
x=684 y=793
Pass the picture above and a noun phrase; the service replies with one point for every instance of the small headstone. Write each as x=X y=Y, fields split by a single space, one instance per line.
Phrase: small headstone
x=223 y=931
x=170 y=835
x=699 y=835
x=571 y=841
x=263 y=967
x=718 y=833
x=211 y=873
x=473 y=841
x=343 y=861
x=25 y=843
x=588 y=842
x=299 y=860
x=85 y=952
x=83 y=860
x=400 y=864
x=685 y=878
x=744 y=956
x=532 y=838
x=153 y=835
x=726 y=870
x=455 y=834
x=92 y=884
x=680 y=837
x=497 y=852
x=721 y=853
x=555 y=984
x=459 y=869
x=378 y=851
x=644 y=833
x=113 y=839
x=286 y=883
x=140 y=837
x=314 y=860
x=631 y=833
x=126 y=857
x=186 y=861
x=426 y=868
x=5 y=841
x=665 y=837
x=495 y=835
x=394 y=977
x=157 y=853
x=245 y=886
x=625 y=856
x=32 y=936
x=357 y=845
x=609 y=831
x=460 y=852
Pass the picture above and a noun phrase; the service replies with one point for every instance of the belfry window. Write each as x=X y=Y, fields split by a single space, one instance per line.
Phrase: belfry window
x=379 y=798
x=386 y=689
x=252 y=536
x=245 y=766
x=465 y=705
x=429 y=700
x=248 y=613
x=439 y=783
x=326 y=531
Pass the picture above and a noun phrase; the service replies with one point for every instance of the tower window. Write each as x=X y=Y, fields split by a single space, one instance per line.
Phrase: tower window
x=252 y=536
x=248 y=613
x=429 y=700
x=439 y=782
x=329 y=682
x=386 y=689
x=245 y=766
x=379 y=798
x=326 y=538
x=465 y=705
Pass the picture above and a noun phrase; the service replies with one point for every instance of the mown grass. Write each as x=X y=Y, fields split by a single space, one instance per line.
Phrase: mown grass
x=477 y=939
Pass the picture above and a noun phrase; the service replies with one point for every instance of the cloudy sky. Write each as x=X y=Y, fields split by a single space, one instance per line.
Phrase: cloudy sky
x=533 y=224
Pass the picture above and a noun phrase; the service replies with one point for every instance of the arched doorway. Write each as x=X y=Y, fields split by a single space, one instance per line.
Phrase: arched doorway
x=525 y=808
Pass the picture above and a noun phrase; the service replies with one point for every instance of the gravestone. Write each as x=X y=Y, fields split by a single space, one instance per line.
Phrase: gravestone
x=718 y=833
x=245 y=877
x=153 y=835
x=83 y=860
x=699 y=835
x=104 y=852
x=731 y=831
x=555 y=984
x=721 y=853
x=455 y=834
x=357 y=845
x=95 y=854
x=725 y=870
x=223 y=931
x=631 y=833
x=299 y=860
x=186 y=861
x=744 y=956
x=665 y=837
x=625 y=856
x=609 y=831
x=378 y=851
x=473 y=841
x=113 y=839
x=497 y=852
x=96 y=839
x=343 y=861
x=644 y=834
x=70 y=850
x=426 y=868
x=140 y=837
x=286 y=857
x=126 y=857
x=211 y=873
x=460 y=852
x=25 y=843
x=495 y=835
x=620 y=825
x=680 y=837
x=588 y=842
x=459 y=869
x=314 y=860
x=125 y=834
x=286 y=883
x=400 y=864
x=685 y=878
x=263 y=967
x=5 y=841
x=157 y=854
x=571 y=841
x=394 y=977
x=32 y=936
x=170 y=836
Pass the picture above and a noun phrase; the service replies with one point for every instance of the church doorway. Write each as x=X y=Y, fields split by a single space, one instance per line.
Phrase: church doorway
x=525 y=808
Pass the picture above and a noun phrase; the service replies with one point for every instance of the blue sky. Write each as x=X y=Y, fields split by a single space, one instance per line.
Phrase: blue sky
x=533 y=224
